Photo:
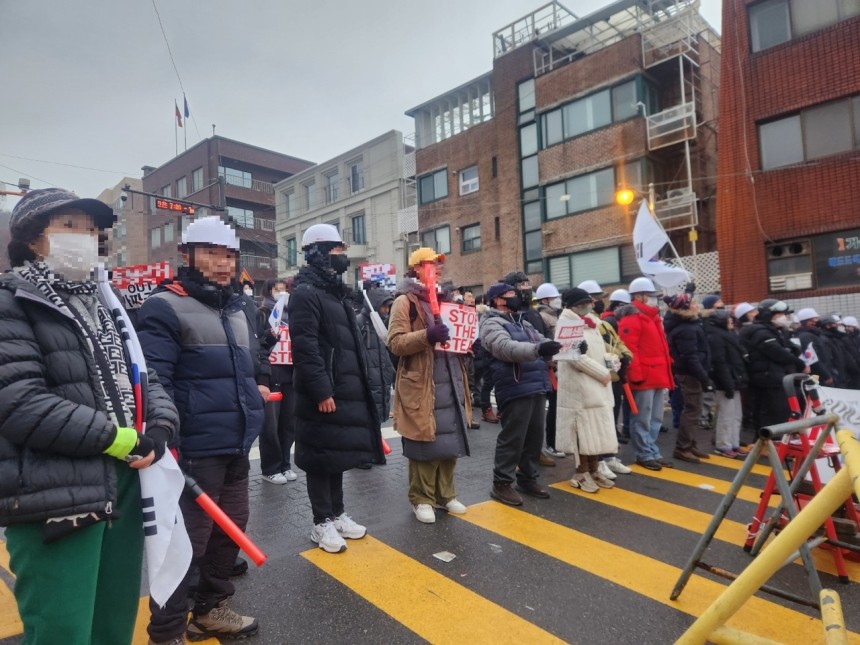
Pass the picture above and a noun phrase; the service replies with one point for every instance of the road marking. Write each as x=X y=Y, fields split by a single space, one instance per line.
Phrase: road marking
x=10 y=623
x=641 y=574
x=399 y=586
x=694 y=521
x=695 y=480
x=736 y=464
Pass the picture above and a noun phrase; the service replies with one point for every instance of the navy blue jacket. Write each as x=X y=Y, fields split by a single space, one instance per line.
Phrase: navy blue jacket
x=691 y=353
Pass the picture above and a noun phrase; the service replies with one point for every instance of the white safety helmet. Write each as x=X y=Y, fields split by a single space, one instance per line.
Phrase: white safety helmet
x=849 y=321
x=742 y=309
x=620 y=295
x=642 y=285
x=806 y=313
x=546 y=290
x=320 y=233
x=211 y=230
x=591 y=287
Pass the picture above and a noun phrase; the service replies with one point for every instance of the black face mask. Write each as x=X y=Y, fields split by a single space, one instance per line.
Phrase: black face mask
x=525 y=295
x=513 y=303
x=339 y=263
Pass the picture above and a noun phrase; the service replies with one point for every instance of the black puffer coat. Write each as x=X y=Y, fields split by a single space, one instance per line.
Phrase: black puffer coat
x=53 y=422
x=380 y=369
x=825 y=367
x=691 y=354
x=728 y=356
x=329 y=361
x=771 y=355
x=851 y=346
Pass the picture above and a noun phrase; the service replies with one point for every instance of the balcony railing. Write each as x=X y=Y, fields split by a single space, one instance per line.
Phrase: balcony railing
x=258 y=261
x=678 y=211
x=264 y=224
x=253 y=184
x=674 y=125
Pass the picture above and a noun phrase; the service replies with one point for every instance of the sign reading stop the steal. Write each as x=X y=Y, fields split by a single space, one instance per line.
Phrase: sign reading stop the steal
x=282 y=352
x=462 y=323
x=570 y=334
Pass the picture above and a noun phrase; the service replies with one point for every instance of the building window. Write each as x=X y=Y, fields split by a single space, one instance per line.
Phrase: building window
x=155 y=238
x=181 y=188
x=820 y=131
x=197 y=180
x=331 y=187
x=264 y=224
x=168 y=232
x=581 y=193
x=433 y=186
x=359 y=235
x=602 y=265
x=439 y=239
x=356 y=176
x=243 y=217
x=526 y=95
x=470 y=238
x=292 y=252
x=530 y=171
x=167 y=191
x=774 y=22
x=308 y=190
x=469 y=180
x=235 y=177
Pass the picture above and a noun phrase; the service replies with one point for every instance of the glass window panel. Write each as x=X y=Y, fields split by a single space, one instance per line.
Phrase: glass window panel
x=531 y=194
x=443 y=239
x=429 y=239
x=624 y=101
x=440 y=183
x=197 y=180
x=534 y=267
x=809 y=16
x=604 y=187
x=553 y=132
x=531 y=216
x=425 y=189
x=469 y=180
x=528 y=140
x=526 y=117
x=290 y=203
x=559 y=272
x=601 y=265
x=168 y=233
x=827 y=129
x=471 y=238
x=781 y=143
x=527 y=95
x=555 y=207
x=534 y=245
x=769 y=24
x=592 y=190
x=530 y=172
x=155 y=237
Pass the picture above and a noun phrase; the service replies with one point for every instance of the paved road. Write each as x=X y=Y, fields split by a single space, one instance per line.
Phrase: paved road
x=575 y=568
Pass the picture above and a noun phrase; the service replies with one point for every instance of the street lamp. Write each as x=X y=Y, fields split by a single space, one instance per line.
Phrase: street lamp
x=626 y=196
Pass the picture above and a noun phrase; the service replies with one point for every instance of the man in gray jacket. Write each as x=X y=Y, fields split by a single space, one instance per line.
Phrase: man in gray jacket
x=521 y=375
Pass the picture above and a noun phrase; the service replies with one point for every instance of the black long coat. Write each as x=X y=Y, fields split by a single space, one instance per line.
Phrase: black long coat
x=728 y=357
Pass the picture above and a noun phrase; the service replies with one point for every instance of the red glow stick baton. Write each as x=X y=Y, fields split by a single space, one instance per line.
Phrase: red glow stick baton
x=630 y=401
x=275 y=396
x=386 y=449
x=430 y=284
x=227 y=525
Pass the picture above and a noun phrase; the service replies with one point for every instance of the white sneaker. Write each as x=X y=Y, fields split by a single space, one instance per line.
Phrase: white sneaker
x=349 y=528
x=616 y=466
x=277 y=478
x=552 y=452
x=290 y=475
x=603 y=469
x=602 y=481
x=456 y=507
x=584 y=482
x=327 y=537
x=424 y=513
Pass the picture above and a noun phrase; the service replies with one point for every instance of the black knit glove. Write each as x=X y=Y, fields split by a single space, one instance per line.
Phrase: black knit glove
x=690 y=288
x=730 y=394
x=144 y=446
x=583 y=347
x=549 y=348
x=438 y=333
x=622 y=371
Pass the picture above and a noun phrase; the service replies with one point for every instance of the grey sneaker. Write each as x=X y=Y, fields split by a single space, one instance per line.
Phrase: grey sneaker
x=221 y=621
x=584 y=482
x=179 y=640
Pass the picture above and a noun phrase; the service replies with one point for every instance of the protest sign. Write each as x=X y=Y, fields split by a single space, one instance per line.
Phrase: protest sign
x=570 y=334
x=282 y=352
x=845 y=403
x=462 y=323
x=381 y=275
x=136 y=282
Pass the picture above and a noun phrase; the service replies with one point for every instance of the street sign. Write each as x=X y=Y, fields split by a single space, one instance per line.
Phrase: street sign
x=176 y=207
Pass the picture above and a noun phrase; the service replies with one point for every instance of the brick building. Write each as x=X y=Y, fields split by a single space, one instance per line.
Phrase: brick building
x=517 y=169
x=789 y=169
x=245 y=192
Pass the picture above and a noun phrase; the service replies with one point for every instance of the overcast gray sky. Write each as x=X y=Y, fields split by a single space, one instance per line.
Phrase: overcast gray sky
x=90 y=82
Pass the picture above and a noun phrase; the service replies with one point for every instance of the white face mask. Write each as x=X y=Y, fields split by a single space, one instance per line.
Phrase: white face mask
x=249 y=292
x=72 y=255
x=782 y=321
x=651 y=301
x=555 y=303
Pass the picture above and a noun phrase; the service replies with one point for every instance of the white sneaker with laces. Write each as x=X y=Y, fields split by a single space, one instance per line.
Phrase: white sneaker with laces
x=602 y=481
x=424 y=513
x=552 y=452
x=277 y=478
x=349 y=528
x=584 y=482
x=327 y=537
x=290 y=475
x=616 y=466
x=456 y=507
x=603 y=469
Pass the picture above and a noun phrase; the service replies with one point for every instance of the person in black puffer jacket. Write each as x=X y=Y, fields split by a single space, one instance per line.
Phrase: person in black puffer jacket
x=851 y=345
x=70 y=502
x=691 y=357
x=729 y=374
x=337 y=425
x=380 y=368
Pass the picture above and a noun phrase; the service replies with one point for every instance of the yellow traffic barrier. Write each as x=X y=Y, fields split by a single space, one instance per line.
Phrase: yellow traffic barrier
x=832 y=618
x=730 y=636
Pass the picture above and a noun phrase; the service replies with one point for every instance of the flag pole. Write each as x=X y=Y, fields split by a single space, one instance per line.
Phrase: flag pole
x=660 y=224
x=175 y=130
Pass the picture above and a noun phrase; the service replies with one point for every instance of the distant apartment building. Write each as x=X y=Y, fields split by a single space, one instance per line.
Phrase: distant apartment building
x=224 y=177
x=518 y=168
x=368 y=193
x=124 y=245
x=788 y=216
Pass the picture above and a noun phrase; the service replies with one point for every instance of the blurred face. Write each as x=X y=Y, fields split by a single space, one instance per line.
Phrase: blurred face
x=469 y=299
x=217 y=264
x=71 y=221
x=279 y=289
x=499 y=302
x=731 y=323
x=694 y=307
x=384 y=310
x=426 y=269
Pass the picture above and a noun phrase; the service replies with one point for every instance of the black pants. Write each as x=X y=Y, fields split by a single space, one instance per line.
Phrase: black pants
x=692 y=393
x=552 y=398
x=279 y=432
x=771 y=406
x=325 y=490
x=520 y=440
x=487 y=386
x=225 y=480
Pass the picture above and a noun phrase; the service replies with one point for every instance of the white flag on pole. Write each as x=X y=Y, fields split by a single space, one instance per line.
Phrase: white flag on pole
x=278 y=310
x=648 y=239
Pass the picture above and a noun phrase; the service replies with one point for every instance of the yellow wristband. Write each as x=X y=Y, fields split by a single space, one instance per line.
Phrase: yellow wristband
x=123 y=443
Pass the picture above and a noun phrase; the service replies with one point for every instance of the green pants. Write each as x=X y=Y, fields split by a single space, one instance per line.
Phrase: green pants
x=84 y=588
x=432 y=482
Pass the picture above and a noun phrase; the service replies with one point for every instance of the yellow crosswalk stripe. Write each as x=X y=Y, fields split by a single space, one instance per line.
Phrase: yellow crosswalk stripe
x=10 y=623
x=692 y=520
x=641 y=574
x=399 y=586
x=735 y=464
x=695 y=480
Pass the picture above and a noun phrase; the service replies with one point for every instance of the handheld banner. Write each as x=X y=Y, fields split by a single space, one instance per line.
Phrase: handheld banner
x=135 y=283
x=381 y=275
x=570 y=334
x=282 y=352
x=462 y=322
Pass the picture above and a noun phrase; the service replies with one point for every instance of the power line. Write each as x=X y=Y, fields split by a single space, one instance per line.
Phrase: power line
x=68 y=165
x=24 y=174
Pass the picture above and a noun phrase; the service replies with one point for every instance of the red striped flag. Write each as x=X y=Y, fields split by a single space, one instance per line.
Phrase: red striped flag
x=178 y=114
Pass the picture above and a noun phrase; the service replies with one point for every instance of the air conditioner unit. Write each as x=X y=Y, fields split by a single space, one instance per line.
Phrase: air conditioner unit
x=789 y=249
x=791 y=282
x=678 y=195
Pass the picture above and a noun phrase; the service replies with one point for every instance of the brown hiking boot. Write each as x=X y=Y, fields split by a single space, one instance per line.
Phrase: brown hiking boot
x=544 y=460
x=534 y=489
x=506 y=495
x=488 y=415
x=686 y=455
x=221 y=621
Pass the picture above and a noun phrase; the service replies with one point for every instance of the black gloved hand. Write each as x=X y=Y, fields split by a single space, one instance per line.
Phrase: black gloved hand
x=730 y=394
x=437 y=333
x=708 y=385
x=583 y=347
x=145 y=445
x=622 y=371
x=549 y=348
x=690 y=289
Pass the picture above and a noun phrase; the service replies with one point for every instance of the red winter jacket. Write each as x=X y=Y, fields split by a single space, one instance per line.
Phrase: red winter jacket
x=651 y=368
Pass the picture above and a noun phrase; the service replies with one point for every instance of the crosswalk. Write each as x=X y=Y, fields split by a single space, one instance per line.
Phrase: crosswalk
x=492 y=594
